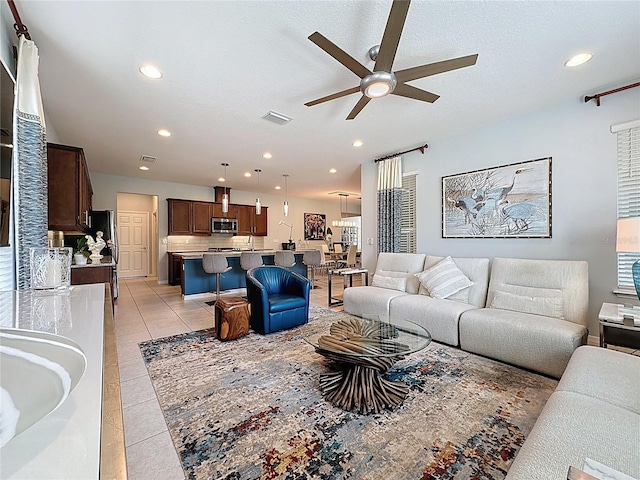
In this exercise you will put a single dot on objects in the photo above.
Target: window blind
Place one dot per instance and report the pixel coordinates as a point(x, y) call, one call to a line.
point(408, 237)
point(628, 192)
point(6, 269)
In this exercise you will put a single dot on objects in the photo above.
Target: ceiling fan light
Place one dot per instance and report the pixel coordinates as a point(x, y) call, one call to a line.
point(378, 84)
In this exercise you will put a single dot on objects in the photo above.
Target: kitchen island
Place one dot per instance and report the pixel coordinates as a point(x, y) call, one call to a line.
point(195, 280)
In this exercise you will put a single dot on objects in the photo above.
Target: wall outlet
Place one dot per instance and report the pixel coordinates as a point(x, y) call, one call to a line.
point(369, 241)
point(187, 241)
point(164, 241)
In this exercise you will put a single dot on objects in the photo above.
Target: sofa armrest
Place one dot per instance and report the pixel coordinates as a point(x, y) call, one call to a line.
point(259, 300)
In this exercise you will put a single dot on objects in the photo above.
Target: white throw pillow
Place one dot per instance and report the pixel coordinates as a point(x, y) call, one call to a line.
point(394, 282)
point(443, 279)
point(545, 306)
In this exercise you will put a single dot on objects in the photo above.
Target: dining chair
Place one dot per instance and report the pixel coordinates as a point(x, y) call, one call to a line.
point(351, 258)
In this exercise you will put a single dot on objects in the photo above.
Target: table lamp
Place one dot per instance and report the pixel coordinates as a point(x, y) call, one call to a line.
point(628, 240)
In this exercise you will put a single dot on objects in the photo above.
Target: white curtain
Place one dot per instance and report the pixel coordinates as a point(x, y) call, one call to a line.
point(29, 163)
point(389, 204)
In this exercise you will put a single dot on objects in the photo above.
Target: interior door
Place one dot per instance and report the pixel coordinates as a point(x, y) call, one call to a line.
point(133, 234)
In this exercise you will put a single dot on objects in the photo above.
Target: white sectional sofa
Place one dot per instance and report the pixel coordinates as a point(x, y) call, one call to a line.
point(530, 313)
point(593, 414)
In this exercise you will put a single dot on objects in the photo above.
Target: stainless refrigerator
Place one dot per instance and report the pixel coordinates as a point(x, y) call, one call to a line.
point(105, 221)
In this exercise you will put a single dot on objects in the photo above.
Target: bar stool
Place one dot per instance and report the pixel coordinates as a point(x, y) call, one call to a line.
point(313, 259)
point(249, 260)
point(215, 263)
point(285, 258)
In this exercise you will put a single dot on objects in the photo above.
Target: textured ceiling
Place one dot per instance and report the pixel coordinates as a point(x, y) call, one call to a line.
point(226, 63)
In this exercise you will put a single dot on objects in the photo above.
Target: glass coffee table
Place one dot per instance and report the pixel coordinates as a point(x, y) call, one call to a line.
point(363, 349)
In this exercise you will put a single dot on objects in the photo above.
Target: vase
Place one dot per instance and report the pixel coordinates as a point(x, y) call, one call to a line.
point(80, 259)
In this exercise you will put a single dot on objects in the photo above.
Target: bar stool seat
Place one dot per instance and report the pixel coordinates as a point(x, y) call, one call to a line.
point(249, 260)
point(215, 263)
point(285, 258)
point(313, 259)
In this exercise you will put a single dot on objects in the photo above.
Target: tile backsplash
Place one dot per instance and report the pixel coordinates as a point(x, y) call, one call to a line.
point(185, 243)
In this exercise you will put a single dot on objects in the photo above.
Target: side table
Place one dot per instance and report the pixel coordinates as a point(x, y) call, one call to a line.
point(231, 318)
point(619, 325)
point(345, 273)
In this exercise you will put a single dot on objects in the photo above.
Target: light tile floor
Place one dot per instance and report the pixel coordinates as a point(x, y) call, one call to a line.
point(146, 310)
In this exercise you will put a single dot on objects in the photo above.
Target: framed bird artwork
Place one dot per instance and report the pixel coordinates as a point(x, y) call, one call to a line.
point(510, 201)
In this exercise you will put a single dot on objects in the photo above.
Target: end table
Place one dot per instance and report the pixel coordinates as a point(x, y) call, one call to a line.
point(619, 325)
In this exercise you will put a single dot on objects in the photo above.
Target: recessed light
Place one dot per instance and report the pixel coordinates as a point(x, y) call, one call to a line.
point(278, 187)
point(150, 71)
point(221, 179)
point(143, 167)
point(578, 60)
point(267, 155)
point(332, 170)
point(163, 132)
point(247, 174)
point(357, 143)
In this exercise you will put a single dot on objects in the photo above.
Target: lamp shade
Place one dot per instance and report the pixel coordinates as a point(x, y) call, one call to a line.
point(628, 236)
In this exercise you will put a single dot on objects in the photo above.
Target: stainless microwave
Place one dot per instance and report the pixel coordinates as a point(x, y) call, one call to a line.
point(224, 225)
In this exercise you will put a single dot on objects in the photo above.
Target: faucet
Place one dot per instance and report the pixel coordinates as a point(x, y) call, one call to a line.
point(250, 242)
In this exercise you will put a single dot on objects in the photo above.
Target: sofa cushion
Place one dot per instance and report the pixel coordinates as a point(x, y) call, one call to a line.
point(538, 305)
point(476, 270)
point(605, 374)
point(544, 278)
point(443, 279)
point(407, 263)
point(543, 344)
point(573, 427)
point(439, 316)
point(392, 280)
point(370, 300)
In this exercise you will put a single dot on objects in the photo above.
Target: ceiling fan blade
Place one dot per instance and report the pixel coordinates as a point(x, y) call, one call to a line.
point(408, 91)
point(333, 96)
point(340, 55)
point(358, 108)
point(391, 37)
point(434, 68)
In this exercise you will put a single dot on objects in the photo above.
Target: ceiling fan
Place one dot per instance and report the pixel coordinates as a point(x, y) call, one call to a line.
point(382, 80)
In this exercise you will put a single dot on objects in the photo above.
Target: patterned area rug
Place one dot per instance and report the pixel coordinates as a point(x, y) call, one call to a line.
point(251, 408)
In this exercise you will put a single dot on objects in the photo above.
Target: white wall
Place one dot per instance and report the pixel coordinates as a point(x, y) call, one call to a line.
point(578, 138)
point(107, 187)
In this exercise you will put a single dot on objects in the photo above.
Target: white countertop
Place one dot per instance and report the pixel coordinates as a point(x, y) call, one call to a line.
point(65, 444)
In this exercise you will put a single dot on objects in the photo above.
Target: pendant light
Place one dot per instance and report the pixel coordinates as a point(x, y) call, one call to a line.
point(286, 203)
point(258, 204)
point(225, 195)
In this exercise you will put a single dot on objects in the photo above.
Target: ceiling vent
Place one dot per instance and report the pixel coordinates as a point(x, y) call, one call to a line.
point(148, 159)
point(276, 117)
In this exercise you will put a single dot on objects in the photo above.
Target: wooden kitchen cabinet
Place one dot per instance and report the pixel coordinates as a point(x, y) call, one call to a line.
point(179, 217)
point(175, 269)
point(217, 211)
point(201, 213)
point(251, 224)
point(69, 188)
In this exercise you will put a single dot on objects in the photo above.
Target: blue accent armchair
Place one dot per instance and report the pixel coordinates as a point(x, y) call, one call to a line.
point(279, 298)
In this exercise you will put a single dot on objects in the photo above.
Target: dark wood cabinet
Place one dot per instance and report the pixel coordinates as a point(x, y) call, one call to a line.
point(179, 217)
point(201, 213)
point(175, 269)
point(190, 217)
point(251, 224)
point(69, 188)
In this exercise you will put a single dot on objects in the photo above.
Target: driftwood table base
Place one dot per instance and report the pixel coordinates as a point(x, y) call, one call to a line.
point(363, 350)
point(361, 388)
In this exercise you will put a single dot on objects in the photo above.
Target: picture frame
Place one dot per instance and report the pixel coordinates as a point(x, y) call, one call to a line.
point(509, 201)
point(315, 225)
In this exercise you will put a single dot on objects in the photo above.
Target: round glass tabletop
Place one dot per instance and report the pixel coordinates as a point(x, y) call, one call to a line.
point(367, 336)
